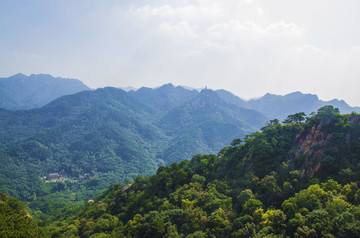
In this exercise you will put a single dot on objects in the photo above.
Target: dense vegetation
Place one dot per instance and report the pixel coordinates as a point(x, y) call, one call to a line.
point(296, 179)
point(109, 135)
point(70, 150)
point(15, 221)
point(96, 138)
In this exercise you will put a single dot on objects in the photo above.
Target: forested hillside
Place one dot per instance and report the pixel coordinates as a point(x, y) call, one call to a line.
point(58, 156)
point(298, 178)
point(15, 221)
point(92, 139)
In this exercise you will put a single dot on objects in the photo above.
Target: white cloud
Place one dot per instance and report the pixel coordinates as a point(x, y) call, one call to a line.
point(286, 29)
point(183, 12)
point(188, 54)
point(209, 45)
point(233, 28)
point(249, 27)
point(256, 37)
point(178, 31)
point(309, 51)
point(248, 46)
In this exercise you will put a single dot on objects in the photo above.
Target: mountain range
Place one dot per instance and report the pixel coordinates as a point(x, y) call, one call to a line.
point(293, 179)
point(278, 106)
point(29, 92)
point(26, 92)
point(112, 135)
point(57, 155)
point(115, 135)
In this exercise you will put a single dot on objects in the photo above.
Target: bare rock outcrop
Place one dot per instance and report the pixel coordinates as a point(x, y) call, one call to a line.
point(310, 144)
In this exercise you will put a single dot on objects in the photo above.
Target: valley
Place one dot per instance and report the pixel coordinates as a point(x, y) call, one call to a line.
point(59, 156)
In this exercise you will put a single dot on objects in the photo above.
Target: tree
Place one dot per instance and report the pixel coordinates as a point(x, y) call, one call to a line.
point(72, 196)
point(251, 205)
point(236, 142)
point(245, 195)
point(295, 118)
point(327, 114)
point(274, 218)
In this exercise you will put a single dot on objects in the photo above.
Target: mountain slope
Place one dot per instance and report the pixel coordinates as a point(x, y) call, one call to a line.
point(205, 123)
point(116, 135)
point(15, 221)
point(277, 106)
point(111, 135)
point(163, 98)
point(289, 180)
point(25, 92)
point(100, 132)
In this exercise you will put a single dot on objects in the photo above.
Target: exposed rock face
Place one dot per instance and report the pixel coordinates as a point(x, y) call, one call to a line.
point(307, 140)
point(126, 187)
point(310, 144)
point(354, 119)
point(28, 215)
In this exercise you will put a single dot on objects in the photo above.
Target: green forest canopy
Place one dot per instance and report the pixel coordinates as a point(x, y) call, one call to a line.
point(297, 179)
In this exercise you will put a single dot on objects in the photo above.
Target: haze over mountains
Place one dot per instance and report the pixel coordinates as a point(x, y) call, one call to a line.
point(71, 149)
point(119, 135)
point(277, 106)
point(115, 135)
point(26, 92)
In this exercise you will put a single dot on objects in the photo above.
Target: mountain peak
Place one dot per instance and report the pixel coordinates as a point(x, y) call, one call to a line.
point(269, 95)
point(206, 91)
point(41, 76)
point(26, 92)
point(295, 93)
point(18, 76)
point(206, 98)
point(299, 94)
point(167, 86)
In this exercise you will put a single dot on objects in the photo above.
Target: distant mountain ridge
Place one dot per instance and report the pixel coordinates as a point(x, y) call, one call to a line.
point(119, 134)
point(26, 92)
point(277, 106)
point(116, 134)
point(270, 105)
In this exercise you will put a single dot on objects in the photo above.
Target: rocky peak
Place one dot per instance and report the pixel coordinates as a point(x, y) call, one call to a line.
point(206, 98)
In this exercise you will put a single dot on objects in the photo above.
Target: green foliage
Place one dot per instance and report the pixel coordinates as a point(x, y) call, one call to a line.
point(295, 118)
point(254, 188)
point(109, 136)
point(15, 221)
point(251, 206)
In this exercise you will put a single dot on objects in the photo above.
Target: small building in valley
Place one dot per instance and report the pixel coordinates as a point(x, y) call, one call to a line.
point(54, 175)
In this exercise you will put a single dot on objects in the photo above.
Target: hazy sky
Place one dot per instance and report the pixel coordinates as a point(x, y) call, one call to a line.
point(249, 47)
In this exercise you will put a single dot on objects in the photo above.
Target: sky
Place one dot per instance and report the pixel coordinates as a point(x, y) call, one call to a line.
point(248, 47)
